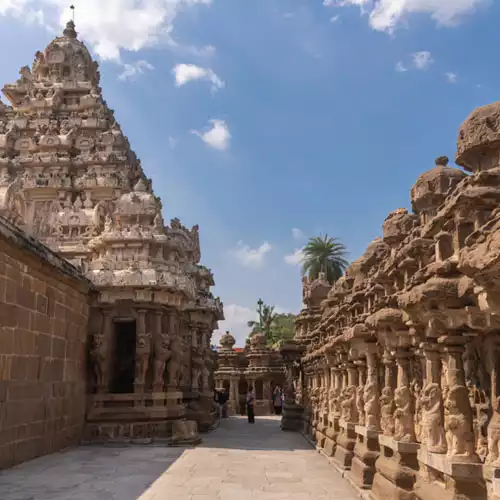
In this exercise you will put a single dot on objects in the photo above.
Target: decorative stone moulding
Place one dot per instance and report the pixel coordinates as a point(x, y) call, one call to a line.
point(398, 381)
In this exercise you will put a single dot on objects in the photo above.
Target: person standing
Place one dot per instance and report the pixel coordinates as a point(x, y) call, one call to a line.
point(250, 403)
point(277, 400)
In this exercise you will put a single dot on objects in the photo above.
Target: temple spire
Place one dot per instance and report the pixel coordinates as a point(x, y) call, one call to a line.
point(70, 31)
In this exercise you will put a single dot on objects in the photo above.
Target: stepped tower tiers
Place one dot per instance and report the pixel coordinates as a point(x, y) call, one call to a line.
point(69, 178)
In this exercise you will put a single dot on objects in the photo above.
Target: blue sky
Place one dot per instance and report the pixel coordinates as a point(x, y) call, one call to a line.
point(320, 114)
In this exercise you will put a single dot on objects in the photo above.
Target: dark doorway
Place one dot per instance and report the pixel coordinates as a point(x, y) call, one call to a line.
point(124, 364)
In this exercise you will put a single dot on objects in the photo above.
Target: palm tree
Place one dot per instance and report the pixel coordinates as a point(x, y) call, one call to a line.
point(324, 255)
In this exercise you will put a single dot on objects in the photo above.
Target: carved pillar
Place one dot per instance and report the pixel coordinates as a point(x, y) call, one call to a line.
point(457, 411)
point(404, 429)
point(142, 351)
point(360, 400)
point(371, 392)
point(337, 377)
point(387, 397)
point(176, 355)
point(101, 352)
point(432, 407)
point(161, 353)
point(349, 410)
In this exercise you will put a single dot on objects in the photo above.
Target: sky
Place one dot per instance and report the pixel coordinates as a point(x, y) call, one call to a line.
point(268, 122)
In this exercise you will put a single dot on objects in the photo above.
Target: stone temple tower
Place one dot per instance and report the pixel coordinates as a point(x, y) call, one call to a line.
point(69, 178)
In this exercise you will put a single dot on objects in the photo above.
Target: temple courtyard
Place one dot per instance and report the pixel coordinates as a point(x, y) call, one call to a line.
point(237, 461)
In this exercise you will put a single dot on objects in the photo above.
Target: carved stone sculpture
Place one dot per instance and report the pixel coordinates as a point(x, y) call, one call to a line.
point(458, 424)
point(349, 411)
point(371, 405)
point(142, 353)
point(360, 404)
point(403, 416)
point(493, 457)
point(387, 411)
point(433, 438)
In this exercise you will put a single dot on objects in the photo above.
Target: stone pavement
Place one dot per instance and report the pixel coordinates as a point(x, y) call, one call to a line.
point(238, 461)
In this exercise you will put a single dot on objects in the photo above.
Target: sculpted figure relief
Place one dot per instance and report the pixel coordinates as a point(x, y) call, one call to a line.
point(162, 353)
point(433, 438)
point(371, 404)
point(387, 411)
point(360, 404)
point(174, 367)
point(493, 457)
point(142, 352)
point(98, 354)
point(403, 416)
point(349, 411)
point(458, 423)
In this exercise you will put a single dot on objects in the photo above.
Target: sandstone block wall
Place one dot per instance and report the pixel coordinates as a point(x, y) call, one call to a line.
point(43, 331)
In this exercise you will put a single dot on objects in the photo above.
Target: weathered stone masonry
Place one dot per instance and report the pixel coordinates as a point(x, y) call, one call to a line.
point(395, 368)
point(43, 319)
point(70, 180)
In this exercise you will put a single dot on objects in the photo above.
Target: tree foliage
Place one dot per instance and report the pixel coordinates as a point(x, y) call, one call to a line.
point(275, 326)
point(324, 254)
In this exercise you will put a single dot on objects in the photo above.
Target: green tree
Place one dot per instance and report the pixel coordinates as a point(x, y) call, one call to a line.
point(266, 319)
point(323, 254)
point(275, 326)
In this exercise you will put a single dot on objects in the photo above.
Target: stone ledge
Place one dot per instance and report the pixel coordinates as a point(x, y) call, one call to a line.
point(367, 433)
point(398, 446)
point(443, 464)
point(21, 240)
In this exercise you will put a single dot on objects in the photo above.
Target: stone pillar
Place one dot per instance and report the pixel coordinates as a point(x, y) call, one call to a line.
point(346, 439)
point(371, 392)
point(142, 351)
point(387, 397)
point(404, 429)
point(161, 353)
point(457, 411)
point(266, 393)
point(433, 439)
point(366, 450)
point(360, 403)
point(102, 354)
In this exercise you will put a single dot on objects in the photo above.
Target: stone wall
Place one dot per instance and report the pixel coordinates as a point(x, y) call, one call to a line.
point(43, 331)
point(399, 381)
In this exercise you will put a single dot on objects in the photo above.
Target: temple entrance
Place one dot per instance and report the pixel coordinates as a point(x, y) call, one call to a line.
point(124, 363)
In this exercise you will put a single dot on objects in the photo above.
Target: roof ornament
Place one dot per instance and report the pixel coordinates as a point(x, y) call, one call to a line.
point(441, 161)
point(70, 31)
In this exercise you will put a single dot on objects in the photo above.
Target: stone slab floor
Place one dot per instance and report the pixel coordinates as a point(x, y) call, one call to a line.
point(238, 461)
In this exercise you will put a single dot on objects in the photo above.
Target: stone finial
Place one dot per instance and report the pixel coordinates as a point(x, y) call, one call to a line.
point(69, 31)
point(441, 161)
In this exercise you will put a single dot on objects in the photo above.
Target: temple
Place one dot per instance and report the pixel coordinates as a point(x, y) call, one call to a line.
point(393, 372)
point(257, 365)
point(70, 181)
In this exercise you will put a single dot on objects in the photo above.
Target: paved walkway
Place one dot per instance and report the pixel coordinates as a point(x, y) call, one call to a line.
point(238, 461)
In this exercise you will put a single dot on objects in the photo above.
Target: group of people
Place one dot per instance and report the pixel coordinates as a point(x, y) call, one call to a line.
point(222, 398)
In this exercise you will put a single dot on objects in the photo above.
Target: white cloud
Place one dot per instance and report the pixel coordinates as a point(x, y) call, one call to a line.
point(335, 18)
point(451, 77)
point(110, 26)
point(422, 60)
point(295, 258)
point(133, 70)
point(237, 318)
point(298, 234)
point(172, 142)
point(185, 73)
point(386, 15)
point(217, 136)
point(251, 257)
point(400, 67)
